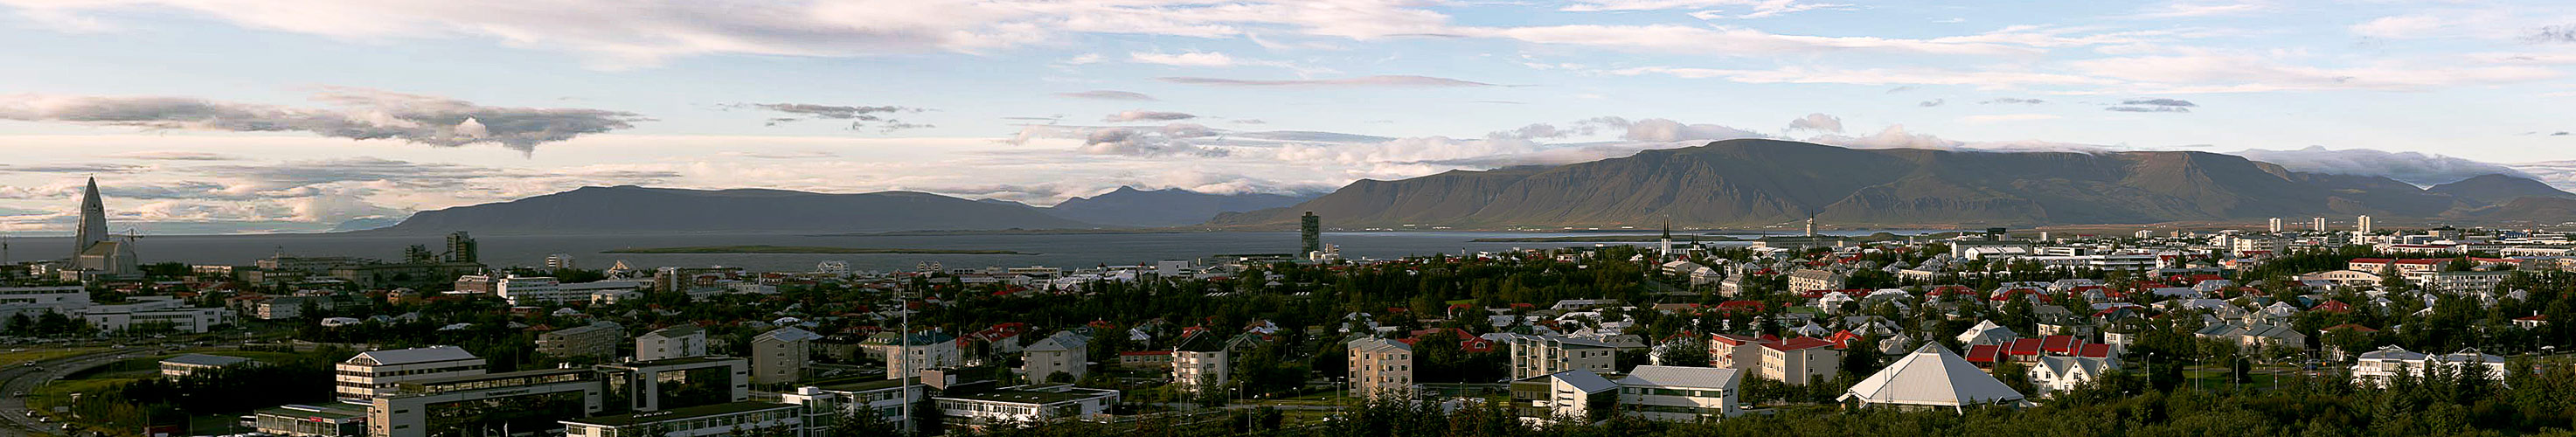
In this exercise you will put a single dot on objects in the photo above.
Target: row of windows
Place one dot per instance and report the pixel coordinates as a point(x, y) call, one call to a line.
point(1674, 392)
point(347, 371)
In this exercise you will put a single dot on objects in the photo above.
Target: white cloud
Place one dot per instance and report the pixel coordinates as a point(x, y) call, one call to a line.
point(1143, 115)
point(1817, 122)
point(354, 113)
point(2183, 9)
point(2005, 118)
point(2399, 26)
point(2200, 71)
point(1997, 79)
point(2410, 167)
point(1185, 59)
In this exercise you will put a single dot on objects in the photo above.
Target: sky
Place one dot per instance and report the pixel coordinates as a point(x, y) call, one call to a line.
point(247, 116)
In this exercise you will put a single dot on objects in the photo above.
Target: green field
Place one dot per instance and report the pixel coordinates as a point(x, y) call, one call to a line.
point(17, 357)
point(807, 250)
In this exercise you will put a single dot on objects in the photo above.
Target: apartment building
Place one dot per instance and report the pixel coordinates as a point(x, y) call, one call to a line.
point(1535, 355)
point(1799, 361)
point(1381, 368)
point(599, 339)
point(1064, 353)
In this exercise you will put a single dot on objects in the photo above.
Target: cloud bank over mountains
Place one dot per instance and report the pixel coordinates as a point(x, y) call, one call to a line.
point(353, 113)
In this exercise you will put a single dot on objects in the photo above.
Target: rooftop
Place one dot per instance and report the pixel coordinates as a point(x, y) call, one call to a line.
point(684, 413)
point(430, 354)
point(206, 360)
point(1040, 396)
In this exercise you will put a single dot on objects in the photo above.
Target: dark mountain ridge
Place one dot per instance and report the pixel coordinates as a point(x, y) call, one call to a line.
point(632, 209)
point(1761, 182)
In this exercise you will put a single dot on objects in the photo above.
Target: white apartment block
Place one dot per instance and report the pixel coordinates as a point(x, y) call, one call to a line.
point(1534, 356)
point(1381, 367)
point(678, 341)
point(1065, 352)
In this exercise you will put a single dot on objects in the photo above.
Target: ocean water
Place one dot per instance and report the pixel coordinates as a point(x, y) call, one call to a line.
point(1053, 250)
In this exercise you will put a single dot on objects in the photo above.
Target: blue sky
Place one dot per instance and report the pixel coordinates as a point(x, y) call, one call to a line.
point(252, 116)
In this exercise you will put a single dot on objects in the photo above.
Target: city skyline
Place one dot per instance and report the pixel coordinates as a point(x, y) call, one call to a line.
point(226, 117)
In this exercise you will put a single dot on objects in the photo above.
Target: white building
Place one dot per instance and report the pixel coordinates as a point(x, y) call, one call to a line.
point(368, 374)
point(1680, 394)
point(2052, 374)
point(155, 313)
point(530, 290)
point(927, 351)
point(677, 341)
point(1025, 405)
point(733, 418)
point(883, 398)
point(1064, 352)
point(1540, 355)
point(779, 356)
point(1578, 395)
point(1931, 378)
point(2376, 368)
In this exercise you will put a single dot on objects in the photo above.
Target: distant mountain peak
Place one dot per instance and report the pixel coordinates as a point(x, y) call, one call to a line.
point(1750, 181)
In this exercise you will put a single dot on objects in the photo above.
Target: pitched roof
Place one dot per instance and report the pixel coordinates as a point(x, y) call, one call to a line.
point(206, 360)
point(1932, 376)
point(1984, 353)
point(1670, 376)
point(1798, 344)
point(1584, 380)
point(788, 335)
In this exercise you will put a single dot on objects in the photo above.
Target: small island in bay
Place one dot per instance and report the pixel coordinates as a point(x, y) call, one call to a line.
point(807, 250)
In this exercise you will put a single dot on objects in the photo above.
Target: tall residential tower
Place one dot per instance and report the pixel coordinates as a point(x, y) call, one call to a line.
point(1310, 230)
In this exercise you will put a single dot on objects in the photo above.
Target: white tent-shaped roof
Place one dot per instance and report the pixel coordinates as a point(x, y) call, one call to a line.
point(1932, 377)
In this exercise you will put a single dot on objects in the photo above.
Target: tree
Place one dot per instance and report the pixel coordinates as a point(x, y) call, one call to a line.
point(861, 420)
point(1685, 353)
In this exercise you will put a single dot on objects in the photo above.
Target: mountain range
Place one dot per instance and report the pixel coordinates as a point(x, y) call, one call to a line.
point(1746, 182)
point(1128, 206)
point(632, 209)
point(1761, 182)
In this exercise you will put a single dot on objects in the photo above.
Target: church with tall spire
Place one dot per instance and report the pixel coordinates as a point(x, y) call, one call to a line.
point(93, 249)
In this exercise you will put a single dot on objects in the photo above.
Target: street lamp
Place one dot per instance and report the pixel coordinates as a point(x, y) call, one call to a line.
point(2239, 380)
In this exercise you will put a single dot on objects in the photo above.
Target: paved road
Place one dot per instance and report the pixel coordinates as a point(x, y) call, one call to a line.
point(23, 379)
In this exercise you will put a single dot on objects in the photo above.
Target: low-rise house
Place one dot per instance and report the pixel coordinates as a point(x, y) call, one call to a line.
point(2378, 368)
point(2054, 374)
point(1986, 332)
point(189, 364)
point(2256, 335)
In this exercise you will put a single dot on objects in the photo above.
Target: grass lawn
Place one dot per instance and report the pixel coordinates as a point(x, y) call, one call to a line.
point(41, 354)
point(59, 393)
